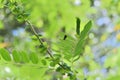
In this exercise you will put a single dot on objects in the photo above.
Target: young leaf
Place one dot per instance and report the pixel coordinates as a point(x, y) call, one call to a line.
point(78, 48)
point(34, 58)
point(24, 57)
point(86, 29)
point(78, 25)
point(16, 56)
point(5, 54)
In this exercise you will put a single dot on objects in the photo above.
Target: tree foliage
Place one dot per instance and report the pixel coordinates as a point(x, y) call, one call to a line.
point(50, 46)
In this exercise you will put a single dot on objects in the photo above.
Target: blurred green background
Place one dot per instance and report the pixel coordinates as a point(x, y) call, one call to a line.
point(101, 59)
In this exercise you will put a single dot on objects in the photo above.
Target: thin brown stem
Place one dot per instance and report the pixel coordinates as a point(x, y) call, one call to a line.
point(33, 30)
point(48, 51)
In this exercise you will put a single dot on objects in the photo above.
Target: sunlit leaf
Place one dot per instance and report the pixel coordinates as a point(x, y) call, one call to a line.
point(24, 57)
point(5, 54)
point(34, 58)
point(85, 30)
point(83, 34)
point(16, 56)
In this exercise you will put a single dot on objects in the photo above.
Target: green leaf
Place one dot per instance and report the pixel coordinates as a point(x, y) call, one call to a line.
point(57, 56)
point(25, 15)
point(67, 46)
point(16, 56)
point(5, 54)
point(34, 58)
point(78, 48)
point(52, 64)
point(78, 25)
point(43, 61)
point(20, 18)
point(24, 57)
point(86, 29)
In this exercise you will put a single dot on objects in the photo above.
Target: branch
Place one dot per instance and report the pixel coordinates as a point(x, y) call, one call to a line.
point(41, 42)
point(33, 30)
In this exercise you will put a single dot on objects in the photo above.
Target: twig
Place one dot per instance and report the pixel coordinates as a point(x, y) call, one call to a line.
point(33, 30)
point(41, 42)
